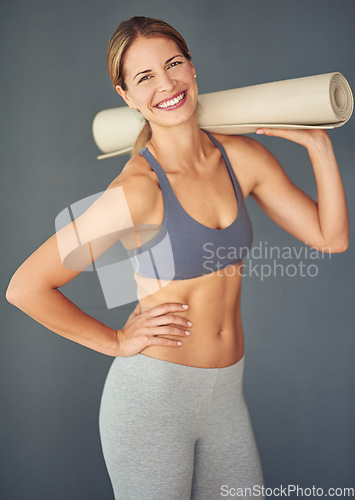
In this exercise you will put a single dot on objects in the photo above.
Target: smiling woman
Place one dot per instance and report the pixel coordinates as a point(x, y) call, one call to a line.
point(173, 419)
point(149, 38)
point(168, 85)
point(151, 68)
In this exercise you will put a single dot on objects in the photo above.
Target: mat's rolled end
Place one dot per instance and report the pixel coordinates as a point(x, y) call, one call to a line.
point(115, 130)
point(341, 97)
point(319, 101)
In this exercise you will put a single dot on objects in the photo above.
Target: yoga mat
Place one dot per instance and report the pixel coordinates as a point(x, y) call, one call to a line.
point(318, 101)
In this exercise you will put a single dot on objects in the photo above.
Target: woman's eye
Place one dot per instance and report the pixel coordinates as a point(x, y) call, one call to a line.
point(142, 79)
point(148, 76)
point(175, 62)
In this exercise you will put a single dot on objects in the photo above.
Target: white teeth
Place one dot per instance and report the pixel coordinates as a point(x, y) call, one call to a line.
point(172, 102)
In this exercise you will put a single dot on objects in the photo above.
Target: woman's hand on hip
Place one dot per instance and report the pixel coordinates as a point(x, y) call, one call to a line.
point(145, 329)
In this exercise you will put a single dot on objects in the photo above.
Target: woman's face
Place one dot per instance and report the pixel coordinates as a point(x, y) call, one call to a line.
point(155, 71)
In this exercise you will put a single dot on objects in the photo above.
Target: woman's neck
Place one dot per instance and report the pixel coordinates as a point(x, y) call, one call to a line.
point(182, 146)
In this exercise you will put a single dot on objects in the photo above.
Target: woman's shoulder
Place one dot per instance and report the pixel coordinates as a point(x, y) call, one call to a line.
point(246, 156)
point(136, 172)
point(243, 149)
point(241, 144)
point(139, 184)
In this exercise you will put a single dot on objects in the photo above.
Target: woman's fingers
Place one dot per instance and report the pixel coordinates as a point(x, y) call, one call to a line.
point(161, 321)
point(170, 330)
point(284, 133)
point(304, 137)
point(168, 319)
point(164, 322)
point(149, 327)
point(164, 341)
point(164, 309)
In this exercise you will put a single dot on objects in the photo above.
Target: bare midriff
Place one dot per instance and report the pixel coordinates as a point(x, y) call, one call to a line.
point(217, 338)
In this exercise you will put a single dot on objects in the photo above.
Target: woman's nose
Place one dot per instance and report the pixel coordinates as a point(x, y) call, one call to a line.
point(165, 82)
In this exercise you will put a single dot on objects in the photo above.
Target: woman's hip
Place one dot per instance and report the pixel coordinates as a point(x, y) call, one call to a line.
point(143, 387)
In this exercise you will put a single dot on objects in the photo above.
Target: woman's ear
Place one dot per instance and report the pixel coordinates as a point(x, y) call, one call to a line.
point(124, 95)
point(193, 67)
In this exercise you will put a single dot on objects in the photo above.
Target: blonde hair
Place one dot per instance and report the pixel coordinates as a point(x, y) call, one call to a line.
point(122, 39)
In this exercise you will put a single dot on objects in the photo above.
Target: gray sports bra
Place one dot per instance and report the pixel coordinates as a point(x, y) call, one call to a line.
point(184, 248)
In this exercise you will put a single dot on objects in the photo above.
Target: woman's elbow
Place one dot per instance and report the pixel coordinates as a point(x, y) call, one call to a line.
point(338, 246)
point(341, 247)
point(16, 289)
point(12, 294)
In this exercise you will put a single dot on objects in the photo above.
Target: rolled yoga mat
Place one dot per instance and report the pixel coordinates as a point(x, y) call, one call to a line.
point(319, 101)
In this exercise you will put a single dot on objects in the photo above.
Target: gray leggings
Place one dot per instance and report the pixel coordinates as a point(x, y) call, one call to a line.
point(175, 432)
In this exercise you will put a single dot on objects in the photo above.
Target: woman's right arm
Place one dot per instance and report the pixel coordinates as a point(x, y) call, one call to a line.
point(33, 289)
point(34, 286)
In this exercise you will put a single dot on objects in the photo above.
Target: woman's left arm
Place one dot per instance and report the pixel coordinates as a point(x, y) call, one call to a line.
point(324, 224)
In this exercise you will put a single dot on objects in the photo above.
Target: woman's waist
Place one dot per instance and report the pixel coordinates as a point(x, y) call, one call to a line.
point(208, 311)
point(216, 333)
point(204, 348)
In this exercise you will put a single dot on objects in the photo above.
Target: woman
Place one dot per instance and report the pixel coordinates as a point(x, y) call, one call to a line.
point(173, 420)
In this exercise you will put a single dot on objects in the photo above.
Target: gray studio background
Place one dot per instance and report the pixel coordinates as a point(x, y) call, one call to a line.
point(299, 332)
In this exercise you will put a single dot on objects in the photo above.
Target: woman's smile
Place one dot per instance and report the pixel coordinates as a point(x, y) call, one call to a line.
point(174, 102)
